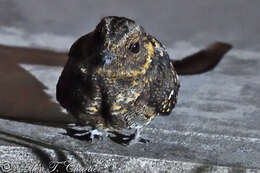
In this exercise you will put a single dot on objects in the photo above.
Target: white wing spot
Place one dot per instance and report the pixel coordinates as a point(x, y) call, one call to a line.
point(172, 92)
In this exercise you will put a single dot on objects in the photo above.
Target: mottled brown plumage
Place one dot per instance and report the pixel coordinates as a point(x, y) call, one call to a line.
point(119, 77)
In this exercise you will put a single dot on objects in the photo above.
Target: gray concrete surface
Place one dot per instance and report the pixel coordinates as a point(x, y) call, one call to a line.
point(215, 126)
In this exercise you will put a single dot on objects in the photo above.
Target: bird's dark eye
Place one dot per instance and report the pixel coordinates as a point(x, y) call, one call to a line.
point(135, 47)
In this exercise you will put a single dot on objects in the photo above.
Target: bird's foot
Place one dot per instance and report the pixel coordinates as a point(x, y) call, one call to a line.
point(127, 139)
point(87, 135)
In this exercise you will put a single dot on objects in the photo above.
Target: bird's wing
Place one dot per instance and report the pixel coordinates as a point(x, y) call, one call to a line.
point(202, 61)
point(164, 88)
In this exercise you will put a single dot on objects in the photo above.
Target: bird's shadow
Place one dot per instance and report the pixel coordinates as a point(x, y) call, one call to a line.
point(23, 99)
point(23, 96)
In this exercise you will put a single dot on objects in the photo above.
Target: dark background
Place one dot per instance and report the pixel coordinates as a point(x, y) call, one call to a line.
point(198, 21)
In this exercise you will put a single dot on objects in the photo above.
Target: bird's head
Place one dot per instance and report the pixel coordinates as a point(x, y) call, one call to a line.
point(125, 48)
point(118, 46)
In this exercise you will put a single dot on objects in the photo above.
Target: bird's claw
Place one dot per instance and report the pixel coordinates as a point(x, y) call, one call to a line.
point(127, 139)
point(87, 135)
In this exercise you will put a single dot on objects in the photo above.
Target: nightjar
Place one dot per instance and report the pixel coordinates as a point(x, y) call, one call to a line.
point(120, 77)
